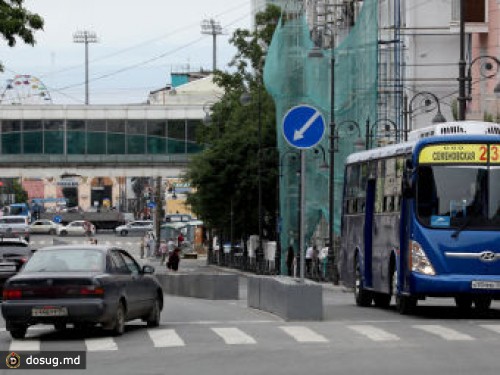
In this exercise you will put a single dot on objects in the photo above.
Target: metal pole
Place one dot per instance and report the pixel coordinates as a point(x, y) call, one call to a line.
point(331, 192)
point(259, 172)
point(158, 210)
point(461, 66)
point(302, 213)
point(367, 134)
point(86, 69)
point(214, 52)
point(405, 105)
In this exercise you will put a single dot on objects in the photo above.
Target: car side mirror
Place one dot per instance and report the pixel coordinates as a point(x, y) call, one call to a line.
point(148, 269)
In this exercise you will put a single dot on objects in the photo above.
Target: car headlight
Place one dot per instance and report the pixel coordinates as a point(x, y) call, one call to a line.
point(419, 261)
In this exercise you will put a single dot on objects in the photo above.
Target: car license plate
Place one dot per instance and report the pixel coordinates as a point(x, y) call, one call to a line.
point(7, 267)
point(49, 311)
point(486, 285)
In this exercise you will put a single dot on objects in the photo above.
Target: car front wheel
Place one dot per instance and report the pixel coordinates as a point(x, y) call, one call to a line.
point(18, 331)
point(123, 233)
point(63, 233)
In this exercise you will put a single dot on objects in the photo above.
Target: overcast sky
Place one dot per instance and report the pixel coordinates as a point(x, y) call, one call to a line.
point(140, 43)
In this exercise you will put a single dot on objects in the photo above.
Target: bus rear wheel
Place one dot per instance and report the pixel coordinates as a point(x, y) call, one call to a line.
point(482, 304)
point(362, 296)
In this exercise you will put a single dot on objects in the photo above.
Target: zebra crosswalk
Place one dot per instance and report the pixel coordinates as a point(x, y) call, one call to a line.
point(320, 334)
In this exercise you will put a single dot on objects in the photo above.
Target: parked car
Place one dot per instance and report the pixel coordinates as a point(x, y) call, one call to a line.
point(84, 285)
point(138, 227)
point(44, 226)
point(75, 228)
point(14, 252)
point(14, 226)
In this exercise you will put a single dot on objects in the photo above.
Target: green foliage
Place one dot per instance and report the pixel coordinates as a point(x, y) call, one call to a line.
point(488, 117)
point(17, 22)
point(21, 196)
point(225, 174)
point(454, 109)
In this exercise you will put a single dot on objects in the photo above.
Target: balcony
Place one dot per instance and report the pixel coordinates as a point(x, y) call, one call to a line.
point(476, 16)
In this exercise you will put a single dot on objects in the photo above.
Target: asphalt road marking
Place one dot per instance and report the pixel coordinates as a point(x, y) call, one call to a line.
point(445, 333)
point(234, 336)
point(491, 327)
point(26, 344)
point(374, 333)
point(303, 334)
point(100, 344)
point(165, 338)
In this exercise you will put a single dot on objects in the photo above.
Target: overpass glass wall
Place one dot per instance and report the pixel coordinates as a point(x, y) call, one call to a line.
point(99, 137)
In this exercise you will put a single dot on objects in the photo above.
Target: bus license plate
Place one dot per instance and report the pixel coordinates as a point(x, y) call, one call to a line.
point(486, 285)
point(49, 311)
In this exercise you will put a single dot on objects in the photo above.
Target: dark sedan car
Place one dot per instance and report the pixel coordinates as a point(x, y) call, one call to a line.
point(14, 252)
point(84, 285)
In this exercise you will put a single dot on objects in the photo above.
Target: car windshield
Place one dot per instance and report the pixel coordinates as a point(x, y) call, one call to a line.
point(458, 196)
point(64, 260)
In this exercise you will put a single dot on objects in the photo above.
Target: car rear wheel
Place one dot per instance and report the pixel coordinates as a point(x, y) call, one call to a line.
point(153, 319)
point(18, 331)
point(52, 231)
point(63, 233)
point(119, 320)
point(60, 326)
point(123, 233)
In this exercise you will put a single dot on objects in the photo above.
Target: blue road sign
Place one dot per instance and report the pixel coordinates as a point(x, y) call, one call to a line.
point(303, 126)
point(151, 205)
point(57, 219)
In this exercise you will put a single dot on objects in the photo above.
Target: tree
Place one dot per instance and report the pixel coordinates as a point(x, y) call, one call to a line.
point(17, 22)
point(225, 174)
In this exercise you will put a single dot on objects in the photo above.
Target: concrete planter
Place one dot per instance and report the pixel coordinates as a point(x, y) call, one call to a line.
point(286, 297)
point(209, 286)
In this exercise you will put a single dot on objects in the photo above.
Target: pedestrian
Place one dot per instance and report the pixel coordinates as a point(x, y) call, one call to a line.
point(170, 246)
point(142, 247)
point(290, 257)
point(163, 250)
point(87, 227)
point(309, 256)
point(180, 239)
point(150, 244)
point(174, 259)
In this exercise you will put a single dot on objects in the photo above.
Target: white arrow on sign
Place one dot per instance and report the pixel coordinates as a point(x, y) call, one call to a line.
point(299, 134)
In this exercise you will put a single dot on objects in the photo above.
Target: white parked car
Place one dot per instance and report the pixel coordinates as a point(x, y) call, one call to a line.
point(44, 226)
point(14, 226)
point(138, 227)
point(75, 228)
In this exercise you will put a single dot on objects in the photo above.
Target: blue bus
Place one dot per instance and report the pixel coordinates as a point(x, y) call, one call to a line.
point(20, 209)
point(422, 219)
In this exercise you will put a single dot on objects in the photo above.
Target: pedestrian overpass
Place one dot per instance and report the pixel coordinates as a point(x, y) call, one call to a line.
point(86, 146)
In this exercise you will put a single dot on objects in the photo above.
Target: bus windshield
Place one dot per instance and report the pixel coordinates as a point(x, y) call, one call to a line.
point(455, 196)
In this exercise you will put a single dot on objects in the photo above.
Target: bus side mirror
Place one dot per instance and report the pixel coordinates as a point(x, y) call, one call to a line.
point(408, 188)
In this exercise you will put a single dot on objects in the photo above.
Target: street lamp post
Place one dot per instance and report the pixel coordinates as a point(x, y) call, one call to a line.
point(427, 99)
point(371, 130)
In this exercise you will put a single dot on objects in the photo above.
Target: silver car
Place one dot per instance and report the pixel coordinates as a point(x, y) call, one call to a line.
point(44, 226)
point(138, 227)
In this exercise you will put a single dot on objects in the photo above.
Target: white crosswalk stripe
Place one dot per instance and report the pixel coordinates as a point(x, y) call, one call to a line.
point(492, 327)
point(303, 334)
point(100, 344)
point(234, 336)
point(26, 344)
point(374, 333)
point(444, 332)
point(165, 338)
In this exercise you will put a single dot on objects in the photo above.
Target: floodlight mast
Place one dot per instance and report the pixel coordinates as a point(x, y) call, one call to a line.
point(214, 28)
point(86, 37)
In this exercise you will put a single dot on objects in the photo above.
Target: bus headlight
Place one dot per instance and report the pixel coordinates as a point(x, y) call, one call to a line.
point(419, 261)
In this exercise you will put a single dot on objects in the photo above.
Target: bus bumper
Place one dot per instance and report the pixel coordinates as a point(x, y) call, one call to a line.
point(453, 285)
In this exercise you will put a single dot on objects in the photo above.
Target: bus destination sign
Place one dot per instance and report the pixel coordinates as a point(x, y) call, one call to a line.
point(460, 154)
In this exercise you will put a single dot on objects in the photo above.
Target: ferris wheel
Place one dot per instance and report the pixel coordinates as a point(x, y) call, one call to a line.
point(25, 89)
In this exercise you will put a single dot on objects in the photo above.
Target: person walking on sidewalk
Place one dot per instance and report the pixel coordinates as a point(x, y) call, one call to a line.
point(163, 251)
point(174, 259)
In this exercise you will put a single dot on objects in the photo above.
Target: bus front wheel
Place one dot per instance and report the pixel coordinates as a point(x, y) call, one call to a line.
point(405, 304)
point(362, 296)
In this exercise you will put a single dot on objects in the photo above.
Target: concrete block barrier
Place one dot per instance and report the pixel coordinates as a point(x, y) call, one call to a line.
point(286, 297)
point(217, 286)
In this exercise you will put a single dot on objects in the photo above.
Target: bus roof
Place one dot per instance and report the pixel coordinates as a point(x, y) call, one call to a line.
point(447, 129)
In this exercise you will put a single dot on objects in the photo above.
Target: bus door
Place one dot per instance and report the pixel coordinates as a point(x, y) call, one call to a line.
point(368, 232)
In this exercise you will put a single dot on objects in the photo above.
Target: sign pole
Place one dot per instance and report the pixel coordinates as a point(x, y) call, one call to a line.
point(302, 214)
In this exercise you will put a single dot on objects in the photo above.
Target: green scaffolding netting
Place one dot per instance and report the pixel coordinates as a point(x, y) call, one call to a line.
point(293, 77)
